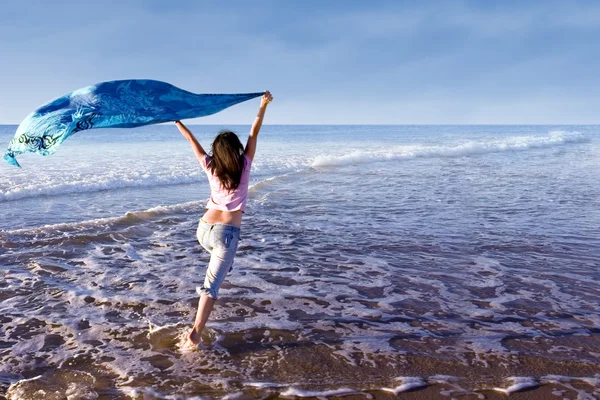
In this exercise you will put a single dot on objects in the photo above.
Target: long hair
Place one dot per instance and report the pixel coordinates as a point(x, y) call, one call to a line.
point(227, 159)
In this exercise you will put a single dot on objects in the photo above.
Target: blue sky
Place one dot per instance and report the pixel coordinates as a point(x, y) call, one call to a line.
point(348, 62)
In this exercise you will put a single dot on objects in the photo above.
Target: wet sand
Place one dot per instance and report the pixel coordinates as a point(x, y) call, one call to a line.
point(292, 367)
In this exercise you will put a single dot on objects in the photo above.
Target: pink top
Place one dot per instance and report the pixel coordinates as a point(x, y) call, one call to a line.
point(220, 198)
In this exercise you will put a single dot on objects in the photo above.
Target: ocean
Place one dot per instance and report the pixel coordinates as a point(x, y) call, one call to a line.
point(442, 260)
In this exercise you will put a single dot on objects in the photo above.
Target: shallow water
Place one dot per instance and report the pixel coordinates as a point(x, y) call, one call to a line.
point(371, 257)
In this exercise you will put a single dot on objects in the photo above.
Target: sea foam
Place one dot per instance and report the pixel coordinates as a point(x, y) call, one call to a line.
point(515, 143)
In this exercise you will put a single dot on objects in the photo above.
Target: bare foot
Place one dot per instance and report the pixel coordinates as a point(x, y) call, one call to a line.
point(194, 337)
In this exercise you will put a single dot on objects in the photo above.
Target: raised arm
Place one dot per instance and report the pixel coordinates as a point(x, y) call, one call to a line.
point(198, 150)
point(251, 144)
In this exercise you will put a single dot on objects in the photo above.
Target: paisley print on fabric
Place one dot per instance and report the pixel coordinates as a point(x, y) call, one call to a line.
point(113, 104)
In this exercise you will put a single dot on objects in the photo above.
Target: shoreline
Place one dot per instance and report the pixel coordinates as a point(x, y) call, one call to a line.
point(316, 372)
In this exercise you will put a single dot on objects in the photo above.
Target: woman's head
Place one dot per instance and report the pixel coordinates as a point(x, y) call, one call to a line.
point(227, 159)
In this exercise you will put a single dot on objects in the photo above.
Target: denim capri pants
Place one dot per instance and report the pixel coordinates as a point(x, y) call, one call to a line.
point(221, 241)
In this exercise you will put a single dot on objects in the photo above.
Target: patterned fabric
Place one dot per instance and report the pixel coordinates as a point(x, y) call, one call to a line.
point(114, 104)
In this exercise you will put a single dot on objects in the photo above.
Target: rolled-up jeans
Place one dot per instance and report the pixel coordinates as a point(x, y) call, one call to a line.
point(221, 241)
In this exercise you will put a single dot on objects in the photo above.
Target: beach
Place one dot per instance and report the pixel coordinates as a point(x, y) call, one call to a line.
point(375, 261)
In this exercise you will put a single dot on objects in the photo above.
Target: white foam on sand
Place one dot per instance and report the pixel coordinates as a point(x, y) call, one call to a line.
point(69, 384)
point(294, 392)
point(407, 383)
point(263, 385)
point(518, 383)
point(150, 393)
point(567, 383)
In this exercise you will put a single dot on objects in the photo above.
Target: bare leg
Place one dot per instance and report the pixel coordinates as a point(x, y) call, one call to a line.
point(205, 306)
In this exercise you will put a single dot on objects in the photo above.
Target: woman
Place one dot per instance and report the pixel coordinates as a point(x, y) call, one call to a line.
point(228, 171)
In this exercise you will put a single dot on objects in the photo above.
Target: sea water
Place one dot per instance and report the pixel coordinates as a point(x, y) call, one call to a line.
point(372, 258)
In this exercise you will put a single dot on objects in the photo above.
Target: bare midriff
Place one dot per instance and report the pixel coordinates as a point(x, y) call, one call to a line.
point(213, 216)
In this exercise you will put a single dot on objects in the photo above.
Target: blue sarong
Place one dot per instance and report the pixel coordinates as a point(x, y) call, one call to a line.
point(114, 104)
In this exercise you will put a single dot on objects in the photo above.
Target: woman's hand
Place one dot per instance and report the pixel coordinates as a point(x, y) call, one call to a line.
point(266, 99)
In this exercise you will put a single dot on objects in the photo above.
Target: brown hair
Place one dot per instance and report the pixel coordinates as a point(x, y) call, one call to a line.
point(227, 161)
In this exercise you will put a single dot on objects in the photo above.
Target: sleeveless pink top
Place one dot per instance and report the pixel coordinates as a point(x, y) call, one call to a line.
point(220, 198)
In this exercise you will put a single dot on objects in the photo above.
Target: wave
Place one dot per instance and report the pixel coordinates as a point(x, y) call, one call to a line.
point(41, 189)
point(129, 218)
point(280, 166)
point(273, 179)
point(73, 182)
point(134, 217)
point(515, 143)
